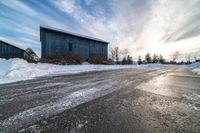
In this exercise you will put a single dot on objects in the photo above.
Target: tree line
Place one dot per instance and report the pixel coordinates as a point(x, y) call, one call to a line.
point(151, 59)
point(174, 59)
point(117, 54)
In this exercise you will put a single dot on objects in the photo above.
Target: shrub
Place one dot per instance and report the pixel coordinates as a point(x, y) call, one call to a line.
point(71, 58)
point(98, 59)
point(110, 62)
point(68, 58)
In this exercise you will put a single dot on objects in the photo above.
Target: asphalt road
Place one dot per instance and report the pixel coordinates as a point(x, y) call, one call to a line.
point(118, 101)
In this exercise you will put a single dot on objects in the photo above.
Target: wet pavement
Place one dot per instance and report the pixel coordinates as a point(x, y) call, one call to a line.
point(118, 101)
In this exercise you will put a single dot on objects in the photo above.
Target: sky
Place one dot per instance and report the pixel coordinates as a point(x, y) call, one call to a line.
point(141, 26)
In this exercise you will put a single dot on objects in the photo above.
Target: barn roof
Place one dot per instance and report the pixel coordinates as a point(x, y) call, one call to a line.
point(16, 47)
point(12, 45)
point(73, 34)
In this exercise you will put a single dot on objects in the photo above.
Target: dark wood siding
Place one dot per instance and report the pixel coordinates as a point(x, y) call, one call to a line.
point(57, 43)
point(8, 51)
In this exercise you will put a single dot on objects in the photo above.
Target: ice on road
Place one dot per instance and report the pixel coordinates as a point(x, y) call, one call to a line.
point(172, 92)
point(44, 111)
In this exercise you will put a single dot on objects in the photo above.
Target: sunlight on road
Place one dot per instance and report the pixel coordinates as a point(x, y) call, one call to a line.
point(176, 86)
point(159, 85)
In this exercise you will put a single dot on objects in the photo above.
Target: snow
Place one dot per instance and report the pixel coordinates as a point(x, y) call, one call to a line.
point(37, 113)
point(195, 67)
point(13, 70)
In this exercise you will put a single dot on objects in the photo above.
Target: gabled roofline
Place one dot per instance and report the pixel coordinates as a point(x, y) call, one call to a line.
point(71, 33)
point(12, 45)
point(15, 47)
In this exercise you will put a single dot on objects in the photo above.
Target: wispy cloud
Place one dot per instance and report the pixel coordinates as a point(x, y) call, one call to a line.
point(23, 22)
point(161, 26)
point(88, 2)
point(87, 22)
point(18, 6)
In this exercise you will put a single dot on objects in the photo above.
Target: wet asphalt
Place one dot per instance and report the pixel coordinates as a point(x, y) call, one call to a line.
point(126, 101)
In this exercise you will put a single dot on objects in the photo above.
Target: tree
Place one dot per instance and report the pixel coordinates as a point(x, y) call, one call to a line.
point(116, 52)
point(124, 61)
point(161, 59)
point(129, 60)
point(175, 56)
point(112, 51)
point(139, 60)
point(196, 58)
point(125, 53)
point(148, 58)
point(155, 59)
point(188, 58)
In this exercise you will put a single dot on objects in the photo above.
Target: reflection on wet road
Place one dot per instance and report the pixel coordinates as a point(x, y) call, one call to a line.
point(174, 84)
point(184, 90)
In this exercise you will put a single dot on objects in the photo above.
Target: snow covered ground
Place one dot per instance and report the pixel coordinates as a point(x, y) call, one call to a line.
point(195, 67)
point(13, 70)
point(48, 98)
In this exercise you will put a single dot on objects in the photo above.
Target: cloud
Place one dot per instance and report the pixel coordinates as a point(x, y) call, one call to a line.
point(160, 26)
point(87, 22)
point(140, 25)
point(22, 23)
point(88, 2)
point(18, 6)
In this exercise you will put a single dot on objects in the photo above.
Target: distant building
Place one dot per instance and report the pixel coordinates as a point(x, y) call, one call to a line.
point(8, 51)
point(57, 42)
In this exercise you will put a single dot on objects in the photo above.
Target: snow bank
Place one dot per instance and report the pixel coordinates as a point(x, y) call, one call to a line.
point(18, 69)
point(195, 67)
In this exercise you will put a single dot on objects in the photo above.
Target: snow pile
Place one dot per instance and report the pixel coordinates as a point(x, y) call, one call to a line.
point(18, 69)
point(195, 67)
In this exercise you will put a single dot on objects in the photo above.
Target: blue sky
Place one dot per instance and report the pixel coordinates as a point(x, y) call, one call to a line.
point(141, 26)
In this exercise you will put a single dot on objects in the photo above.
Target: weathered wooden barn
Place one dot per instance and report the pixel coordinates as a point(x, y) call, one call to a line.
point(56, 42)
point(9, 51)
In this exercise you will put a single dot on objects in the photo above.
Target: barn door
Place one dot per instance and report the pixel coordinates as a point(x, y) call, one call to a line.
point(70, 47)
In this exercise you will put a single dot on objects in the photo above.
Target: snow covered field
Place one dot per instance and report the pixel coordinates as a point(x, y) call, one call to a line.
point(13, 70)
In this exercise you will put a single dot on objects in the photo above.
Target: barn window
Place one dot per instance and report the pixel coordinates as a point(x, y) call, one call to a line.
point(70, 47)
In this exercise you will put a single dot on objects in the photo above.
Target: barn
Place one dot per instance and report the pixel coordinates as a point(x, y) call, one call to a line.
point(57, 42)
point(8, 51)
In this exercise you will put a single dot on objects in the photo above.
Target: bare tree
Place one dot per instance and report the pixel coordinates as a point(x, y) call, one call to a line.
point(115, 53)
point(125, 53)
point(195, 57)
point(175, 56)
point(112, 52)
point(188, 58)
